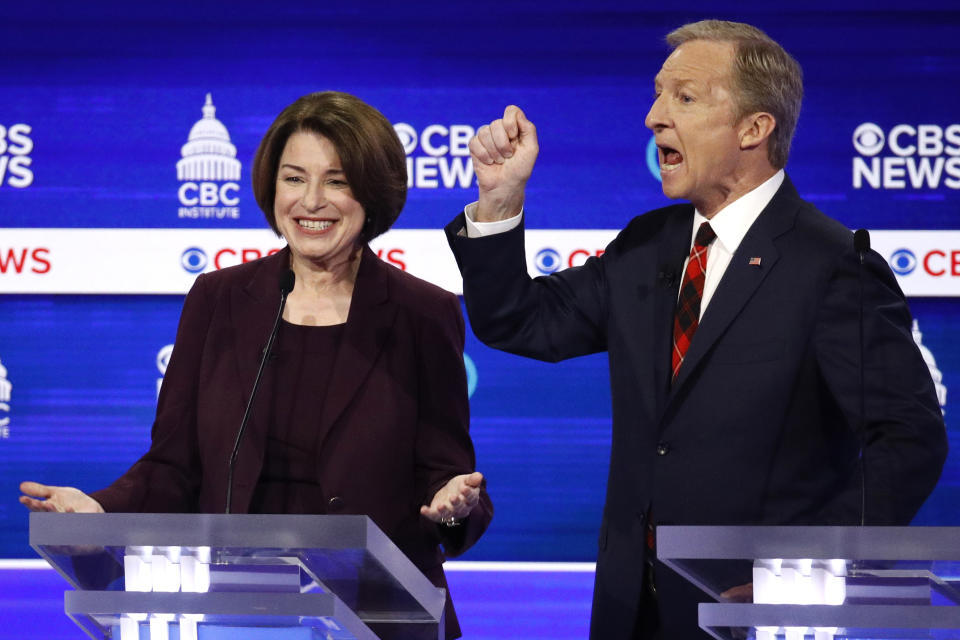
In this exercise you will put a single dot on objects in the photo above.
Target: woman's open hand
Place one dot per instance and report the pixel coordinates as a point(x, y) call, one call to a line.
point(41, 497)
point(456, 499)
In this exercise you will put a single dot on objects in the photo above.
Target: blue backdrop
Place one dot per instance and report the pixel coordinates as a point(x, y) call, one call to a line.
point(106, 93)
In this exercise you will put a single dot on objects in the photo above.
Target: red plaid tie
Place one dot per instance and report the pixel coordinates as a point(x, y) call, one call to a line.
point(691, 292)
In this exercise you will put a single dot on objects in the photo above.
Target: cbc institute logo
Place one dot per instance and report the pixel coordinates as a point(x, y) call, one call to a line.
point(209, 172)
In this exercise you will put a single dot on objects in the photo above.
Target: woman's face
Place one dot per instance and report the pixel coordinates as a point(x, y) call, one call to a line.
point(314, 206)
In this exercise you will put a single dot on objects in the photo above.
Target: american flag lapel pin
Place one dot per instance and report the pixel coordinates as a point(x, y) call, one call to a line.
point(754, 262)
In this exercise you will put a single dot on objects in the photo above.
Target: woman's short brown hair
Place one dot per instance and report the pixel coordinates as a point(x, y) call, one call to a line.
point(372, 157)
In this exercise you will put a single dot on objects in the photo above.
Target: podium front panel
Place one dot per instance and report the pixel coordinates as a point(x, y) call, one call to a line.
point(200, 616)
point(822, 582)
point(276, 557)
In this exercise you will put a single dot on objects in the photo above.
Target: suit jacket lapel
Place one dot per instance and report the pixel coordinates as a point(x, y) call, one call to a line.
point(741, 279)
point(671, 254)
point(643, 291)
point(253, 308)
point(364, 336)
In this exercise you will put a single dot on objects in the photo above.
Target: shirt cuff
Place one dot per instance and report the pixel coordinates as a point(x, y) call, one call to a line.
point(480, 229)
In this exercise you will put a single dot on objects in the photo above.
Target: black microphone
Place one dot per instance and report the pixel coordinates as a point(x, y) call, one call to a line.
point(287, 280)
point(861, 244)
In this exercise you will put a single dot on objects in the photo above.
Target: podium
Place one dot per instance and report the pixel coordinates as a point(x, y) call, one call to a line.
point(238, 576)
point(822, 582)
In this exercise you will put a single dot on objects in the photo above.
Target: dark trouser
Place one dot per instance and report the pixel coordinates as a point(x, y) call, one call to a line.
point(647, 626)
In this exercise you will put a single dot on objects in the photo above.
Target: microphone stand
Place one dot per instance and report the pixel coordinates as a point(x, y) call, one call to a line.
point(287, 280)
point(861, 244)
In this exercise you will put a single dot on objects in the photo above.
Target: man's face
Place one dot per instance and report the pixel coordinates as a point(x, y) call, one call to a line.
point(692, 118)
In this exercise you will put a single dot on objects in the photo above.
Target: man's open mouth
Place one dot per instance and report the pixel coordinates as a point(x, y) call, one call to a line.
point(670, 158)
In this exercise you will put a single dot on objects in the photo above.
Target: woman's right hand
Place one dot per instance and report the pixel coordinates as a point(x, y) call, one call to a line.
point(42, 497)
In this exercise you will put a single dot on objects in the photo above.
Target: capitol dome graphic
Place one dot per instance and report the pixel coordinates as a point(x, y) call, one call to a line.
point(928, 358)
point(208, 154)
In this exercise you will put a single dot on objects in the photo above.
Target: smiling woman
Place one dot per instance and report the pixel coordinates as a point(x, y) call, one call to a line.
point(315, 211)
point(363, 406)
point(371, 157)
point(314, 201)
point(330, 175)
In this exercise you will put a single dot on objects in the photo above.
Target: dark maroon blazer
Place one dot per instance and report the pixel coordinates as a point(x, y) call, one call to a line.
point(392, 431)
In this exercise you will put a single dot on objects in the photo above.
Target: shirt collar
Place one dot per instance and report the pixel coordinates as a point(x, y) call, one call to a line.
point(733, 221)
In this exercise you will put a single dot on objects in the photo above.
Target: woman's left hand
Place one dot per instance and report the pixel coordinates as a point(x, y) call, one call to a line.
point(456, 499)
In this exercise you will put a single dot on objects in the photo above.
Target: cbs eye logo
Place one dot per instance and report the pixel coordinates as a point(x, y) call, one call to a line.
point(868, 139)
point(407, 135)
point(547, 261)
point(903, 262)
point(653, 159)
point(163, 358)
point(472, 377)
point(193, 260)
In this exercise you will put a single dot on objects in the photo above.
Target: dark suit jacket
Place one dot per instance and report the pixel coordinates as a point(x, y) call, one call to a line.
point(761, 426)
point(393, 429)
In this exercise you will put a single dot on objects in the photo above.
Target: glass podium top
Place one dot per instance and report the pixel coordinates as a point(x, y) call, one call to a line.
point(821, 582)
point(134, 563)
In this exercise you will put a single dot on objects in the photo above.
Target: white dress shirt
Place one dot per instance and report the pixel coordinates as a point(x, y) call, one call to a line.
point(730, 224)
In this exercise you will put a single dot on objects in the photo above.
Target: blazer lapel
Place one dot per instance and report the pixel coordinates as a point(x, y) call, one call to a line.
point(643, 290)
point(671, 255)
point(741, 279)
point(253, 308)
point(364, 336)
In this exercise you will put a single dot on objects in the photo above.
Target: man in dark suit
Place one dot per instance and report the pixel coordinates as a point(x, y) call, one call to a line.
point(744, 383)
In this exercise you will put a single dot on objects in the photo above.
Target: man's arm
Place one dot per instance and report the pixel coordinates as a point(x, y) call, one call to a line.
point(550, 318)
point(902, 429)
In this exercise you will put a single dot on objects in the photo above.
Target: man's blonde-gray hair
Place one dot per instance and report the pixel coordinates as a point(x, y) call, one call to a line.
point(765, 77)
